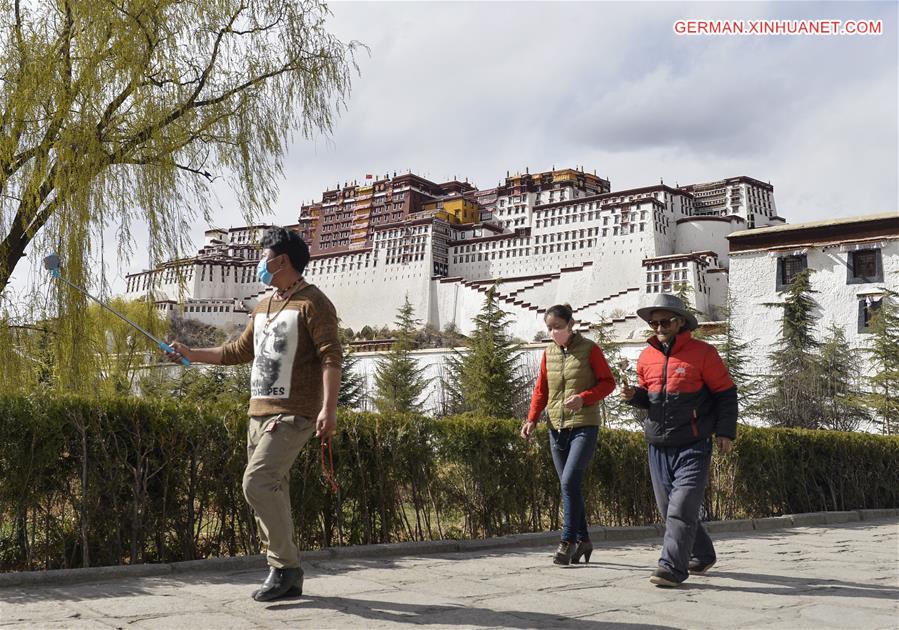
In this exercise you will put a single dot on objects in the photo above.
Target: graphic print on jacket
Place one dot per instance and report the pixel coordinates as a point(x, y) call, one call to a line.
point(275, 349)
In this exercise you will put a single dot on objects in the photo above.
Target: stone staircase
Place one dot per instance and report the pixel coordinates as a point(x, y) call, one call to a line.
point(515, 300)
point(605, 299)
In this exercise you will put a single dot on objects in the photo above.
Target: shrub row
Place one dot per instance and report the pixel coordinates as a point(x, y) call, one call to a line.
point(99, 482)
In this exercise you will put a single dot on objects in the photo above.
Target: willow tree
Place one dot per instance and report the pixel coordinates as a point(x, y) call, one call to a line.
point(118, 112)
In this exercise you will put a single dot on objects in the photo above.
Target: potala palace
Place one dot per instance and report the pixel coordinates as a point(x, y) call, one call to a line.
point(557, 236)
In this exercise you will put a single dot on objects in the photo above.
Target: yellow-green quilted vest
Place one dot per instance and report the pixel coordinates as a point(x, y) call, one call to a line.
point(569, 372)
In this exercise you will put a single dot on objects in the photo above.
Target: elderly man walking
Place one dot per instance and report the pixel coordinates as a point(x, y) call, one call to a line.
point(690, 397)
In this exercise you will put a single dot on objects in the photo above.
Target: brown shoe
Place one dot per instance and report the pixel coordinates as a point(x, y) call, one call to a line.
point(564, 553)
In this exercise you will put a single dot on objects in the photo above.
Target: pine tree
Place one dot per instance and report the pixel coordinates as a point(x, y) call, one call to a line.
point(485, 378)
point(613, 411)
point(399, 383)
point(840, 379)
point(735, 354)
point(793, 398)
point(683, 291)
point(352, 383)
point(883, 351)
point(210, 384)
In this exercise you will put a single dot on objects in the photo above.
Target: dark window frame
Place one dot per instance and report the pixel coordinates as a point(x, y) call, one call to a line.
point(853, 278)
point(866, 311)
point(782, 282)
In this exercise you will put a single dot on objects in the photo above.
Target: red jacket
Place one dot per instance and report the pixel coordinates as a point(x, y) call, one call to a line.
point(688, 392)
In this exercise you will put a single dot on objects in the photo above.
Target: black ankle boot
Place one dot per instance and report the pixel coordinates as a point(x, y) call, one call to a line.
point(585, 549)
point(563, 553)
point(280, 583)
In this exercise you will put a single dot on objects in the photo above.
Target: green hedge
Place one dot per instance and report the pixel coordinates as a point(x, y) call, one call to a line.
point(99, 482)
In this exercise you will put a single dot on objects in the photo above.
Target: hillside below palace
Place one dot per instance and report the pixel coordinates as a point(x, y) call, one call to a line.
point(561, 236)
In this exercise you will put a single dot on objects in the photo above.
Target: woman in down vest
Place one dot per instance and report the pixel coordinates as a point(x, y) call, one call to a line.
point(574, 377)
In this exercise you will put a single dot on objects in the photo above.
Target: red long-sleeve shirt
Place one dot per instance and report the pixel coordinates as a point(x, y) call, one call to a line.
point(605, 384)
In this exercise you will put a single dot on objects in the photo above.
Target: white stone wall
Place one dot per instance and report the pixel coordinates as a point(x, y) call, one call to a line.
point(372, 295)
point(459, 304)
point(753, 283)
point(698, 234)
point(717, 283)
point(433, 360)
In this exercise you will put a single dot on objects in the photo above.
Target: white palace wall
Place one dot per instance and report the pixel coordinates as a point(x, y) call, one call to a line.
point(755, 275)
point(557, 246)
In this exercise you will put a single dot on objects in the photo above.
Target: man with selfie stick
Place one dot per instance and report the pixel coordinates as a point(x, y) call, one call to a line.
point(292, 340)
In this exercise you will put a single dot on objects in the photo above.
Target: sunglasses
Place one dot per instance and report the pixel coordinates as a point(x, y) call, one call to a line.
point(655, 323)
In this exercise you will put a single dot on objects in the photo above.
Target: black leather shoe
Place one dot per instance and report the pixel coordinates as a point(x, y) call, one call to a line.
point(663, 577)
point(585, 549)
point(563, 553)
point(698, 567)
point(280, 583)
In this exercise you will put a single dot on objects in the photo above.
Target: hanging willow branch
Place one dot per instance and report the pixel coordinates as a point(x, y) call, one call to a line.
point(117, 112)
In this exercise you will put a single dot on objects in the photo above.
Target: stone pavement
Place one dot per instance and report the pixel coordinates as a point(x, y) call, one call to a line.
point(829, 576)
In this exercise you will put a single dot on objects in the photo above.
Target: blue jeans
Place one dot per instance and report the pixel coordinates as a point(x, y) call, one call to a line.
point(679, 476)
point(572, 450)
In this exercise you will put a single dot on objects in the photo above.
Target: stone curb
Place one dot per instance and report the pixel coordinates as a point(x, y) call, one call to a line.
point(237, 564)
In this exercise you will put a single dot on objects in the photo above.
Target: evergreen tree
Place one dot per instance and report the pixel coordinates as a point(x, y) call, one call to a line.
point(683, 291)
point(196, 334)
point(352, 383)
point(840, 383)
point(485, 378)
point(398, 379)
point(201, 385)
point(883, 351)
point(451, 337)
point(793, 397)
point(735, 354)
point(613, 410)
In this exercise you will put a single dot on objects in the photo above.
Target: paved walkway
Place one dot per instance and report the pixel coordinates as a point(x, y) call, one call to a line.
point(829, 576)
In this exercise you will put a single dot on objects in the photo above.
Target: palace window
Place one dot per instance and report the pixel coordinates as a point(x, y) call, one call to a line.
point(867, 308)
point(787, 268)
point(864, 265)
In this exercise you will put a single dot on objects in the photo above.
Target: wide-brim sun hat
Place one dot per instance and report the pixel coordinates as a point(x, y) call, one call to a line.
point(667, 302)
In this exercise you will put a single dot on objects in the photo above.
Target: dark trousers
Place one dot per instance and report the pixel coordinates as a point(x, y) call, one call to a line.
point(679, 476)
point(572, 450)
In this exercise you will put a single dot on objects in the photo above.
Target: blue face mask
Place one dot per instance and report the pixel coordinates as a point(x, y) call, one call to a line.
point(263, 274)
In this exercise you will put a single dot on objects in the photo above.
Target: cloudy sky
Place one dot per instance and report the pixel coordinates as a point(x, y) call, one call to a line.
point(473, 90)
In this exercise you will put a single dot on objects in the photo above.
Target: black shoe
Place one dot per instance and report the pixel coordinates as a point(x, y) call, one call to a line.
point(663, 577)
point(697, 567)
point(564, 553)
point(584, 548)
point(280, 583)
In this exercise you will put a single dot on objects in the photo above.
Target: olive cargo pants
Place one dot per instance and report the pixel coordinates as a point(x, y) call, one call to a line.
point(273, 443)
